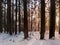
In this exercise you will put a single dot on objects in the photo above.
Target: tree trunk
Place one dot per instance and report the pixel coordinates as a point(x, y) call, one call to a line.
point(16, 19)
point(9, 17)
point(1, 16)
point(19, 18)
point(42, 19)
point(25, 20)
point(52, 20)
point(12, 18)
point(5, 16)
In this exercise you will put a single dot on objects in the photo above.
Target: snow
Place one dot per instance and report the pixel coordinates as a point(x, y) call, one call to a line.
point(6, 39)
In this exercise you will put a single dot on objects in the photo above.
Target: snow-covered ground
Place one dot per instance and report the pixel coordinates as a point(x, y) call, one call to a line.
point(6, 39)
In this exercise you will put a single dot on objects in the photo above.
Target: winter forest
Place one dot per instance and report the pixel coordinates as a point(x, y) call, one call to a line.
point(29, 22)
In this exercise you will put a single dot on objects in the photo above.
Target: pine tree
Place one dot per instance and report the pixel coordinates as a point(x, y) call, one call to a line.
point(9, 17)
point(42, 19)
point(52, 19)
point(25, 20)
point(1, 16)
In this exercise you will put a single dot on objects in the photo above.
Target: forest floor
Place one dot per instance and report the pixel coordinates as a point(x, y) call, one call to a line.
point(34, 39)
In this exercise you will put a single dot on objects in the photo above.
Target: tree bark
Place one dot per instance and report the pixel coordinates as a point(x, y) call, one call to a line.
point(1, 16)
point(25, 20)
point(5, 17)
point(5, 23)
point(52, 19)
point(9, 17)
point(42, 19)
point(12, 18)
point(16, 19)
point(19, 18)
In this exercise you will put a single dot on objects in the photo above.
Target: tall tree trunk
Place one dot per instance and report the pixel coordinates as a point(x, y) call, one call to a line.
point(5, 19)
point(42, 19)
point(52, 20)
point(25, 20)
point(9, 17)
point(19, 18)
point(16, 19)
point(1, 16)
point(12, 18)
point(59, 16)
